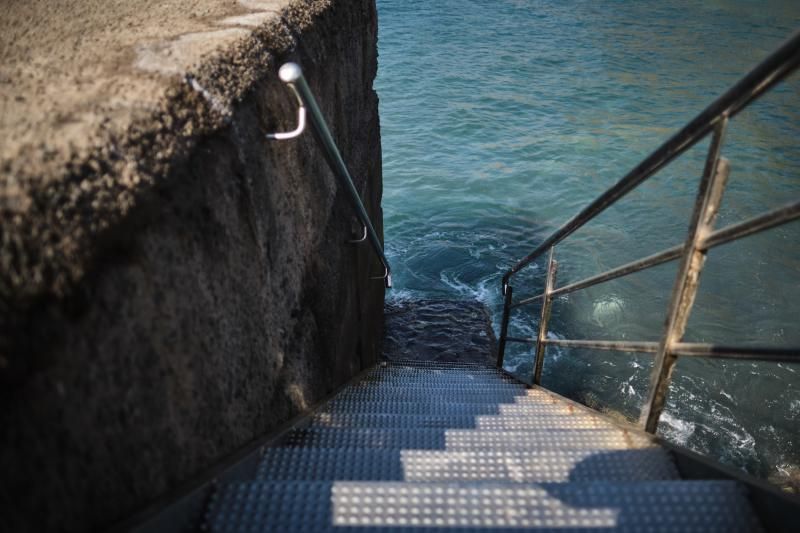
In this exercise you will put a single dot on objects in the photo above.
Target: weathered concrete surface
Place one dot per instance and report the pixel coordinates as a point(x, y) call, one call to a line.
point(173, 285)
point(439, 330)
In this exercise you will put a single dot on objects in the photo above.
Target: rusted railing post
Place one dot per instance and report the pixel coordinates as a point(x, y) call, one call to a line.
point(552, 266)
point(709, 196)
point(501, 344)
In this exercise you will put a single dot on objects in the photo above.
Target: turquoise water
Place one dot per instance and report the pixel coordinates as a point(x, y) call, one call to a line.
point(501, 119)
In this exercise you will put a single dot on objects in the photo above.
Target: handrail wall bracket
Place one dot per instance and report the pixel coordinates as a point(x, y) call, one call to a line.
point(292, 75)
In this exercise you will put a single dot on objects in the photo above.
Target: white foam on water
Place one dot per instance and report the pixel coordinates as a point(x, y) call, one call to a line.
point(400, 295)
point(482, 292)
point(677, 430)
point(554, 353)
point(794, 408)
point(627, 388)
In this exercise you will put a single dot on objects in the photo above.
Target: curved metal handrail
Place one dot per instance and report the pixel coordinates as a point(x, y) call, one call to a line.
point(292, 75)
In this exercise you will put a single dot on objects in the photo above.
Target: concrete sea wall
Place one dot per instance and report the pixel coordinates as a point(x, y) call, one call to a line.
point(174, 285)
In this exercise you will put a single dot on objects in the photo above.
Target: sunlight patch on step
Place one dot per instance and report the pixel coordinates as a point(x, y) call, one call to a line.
point(396, 504)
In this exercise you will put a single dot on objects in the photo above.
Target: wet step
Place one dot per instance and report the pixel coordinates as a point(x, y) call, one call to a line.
point(465, 439)
point(320, 464)
point(362, 506)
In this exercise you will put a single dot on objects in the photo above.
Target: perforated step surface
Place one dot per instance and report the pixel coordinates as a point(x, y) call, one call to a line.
point(460, 421)
point(464, 439)
point(675, 506)
point(319, 464)
point(453, 394)
point(432, 447)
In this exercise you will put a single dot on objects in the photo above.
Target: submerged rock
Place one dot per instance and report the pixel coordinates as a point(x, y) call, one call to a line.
point(439, 330)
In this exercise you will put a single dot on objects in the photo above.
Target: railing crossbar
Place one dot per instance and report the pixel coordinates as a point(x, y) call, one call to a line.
point(750, 353)
point(650, 261)
point(527, 301)
point(684, 349)
point(776, 217)
point(616, 346)
point(757, 224)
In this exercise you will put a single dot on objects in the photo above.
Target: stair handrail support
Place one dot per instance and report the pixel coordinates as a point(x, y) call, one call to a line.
point(552, 267)
point(707, 203)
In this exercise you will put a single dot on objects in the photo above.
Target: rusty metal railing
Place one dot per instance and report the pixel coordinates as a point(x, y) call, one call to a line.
point(700, 238)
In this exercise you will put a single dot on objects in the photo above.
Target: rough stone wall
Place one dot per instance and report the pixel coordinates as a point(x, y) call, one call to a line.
point(224, 301)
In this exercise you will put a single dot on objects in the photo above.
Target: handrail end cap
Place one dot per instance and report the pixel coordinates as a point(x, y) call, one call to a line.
point(290, 72)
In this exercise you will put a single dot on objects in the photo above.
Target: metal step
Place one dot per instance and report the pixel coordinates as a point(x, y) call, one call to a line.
point(493, 422)
point(433, 407)
point(458, 394)
point(363, 506)
point(415, 363)
point(421, 447)
point(320, 464)
point(397, 421)
point(464, 439)
point(434, 375)
point(452, 367)
point(452, 394)
point(448, 384)
point(427, 381)
point(442, 375)
point(441, 370)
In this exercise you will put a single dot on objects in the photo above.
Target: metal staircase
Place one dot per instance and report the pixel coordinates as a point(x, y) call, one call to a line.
point(426, 446)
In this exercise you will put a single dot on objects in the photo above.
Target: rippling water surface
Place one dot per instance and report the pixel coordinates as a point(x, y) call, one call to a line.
point(501, 119)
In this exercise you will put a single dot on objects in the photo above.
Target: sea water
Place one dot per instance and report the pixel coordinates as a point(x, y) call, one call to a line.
point(502, 119)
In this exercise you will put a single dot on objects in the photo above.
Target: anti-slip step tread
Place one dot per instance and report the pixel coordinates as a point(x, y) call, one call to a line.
point(318, 464)
point(441, 369)
point(397, 421)
point(415, 384)
point(355, 405)
point(457, 395)
point(362, 506)
point(421, 447)
point(464, 373)
point(446, 364)
point(493, 422)
point(464, 439)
